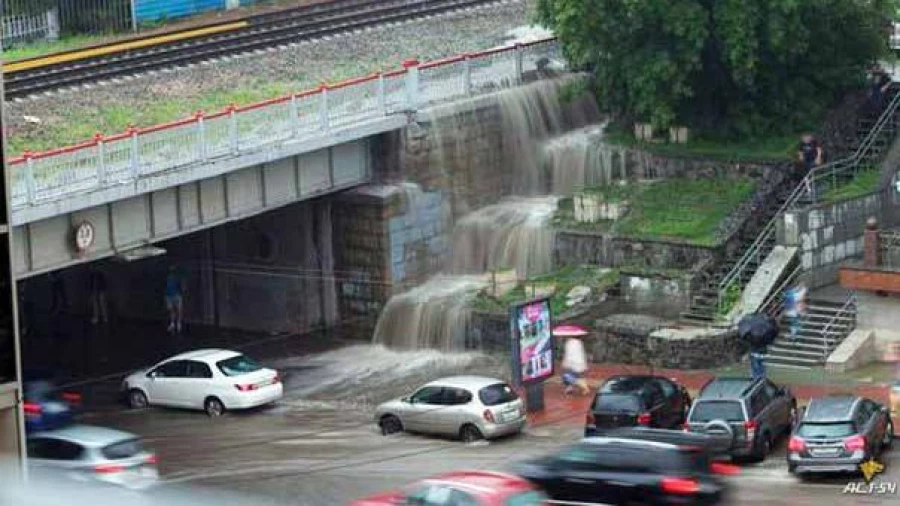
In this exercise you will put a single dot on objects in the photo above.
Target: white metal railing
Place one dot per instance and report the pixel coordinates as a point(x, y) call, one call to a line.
point(126, 157)
point(27, 27)
point(808, 189)
point(835, 328)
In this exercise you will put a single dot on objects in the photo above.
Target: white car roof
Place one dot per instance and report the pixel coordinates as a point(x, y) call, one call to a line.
point(206, 355)
point(87, 435)
point(468, 382)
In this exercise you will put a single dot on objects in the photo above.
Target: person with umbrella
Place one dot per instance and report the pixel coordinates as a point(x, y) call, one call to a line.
point(759, 330)
point(574, 361)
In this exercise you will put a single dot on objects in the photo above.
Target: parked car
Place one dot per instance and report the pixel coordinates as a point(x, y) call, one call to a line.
point(88, 453)
point(468, 407)
point(636, 466)
point(838, 433)
point(749, 414)
point(46, 407)
point(463, 488)
point(626, 401)
point(212, 380)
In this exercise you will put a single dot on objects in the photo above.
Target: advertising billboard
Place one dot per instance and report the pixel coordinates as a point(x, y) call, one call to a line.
point(532, 339)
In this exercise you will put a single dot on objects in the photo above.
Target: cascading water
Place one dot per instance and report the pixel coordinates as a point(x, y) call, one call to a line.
point(513, 233)
point(434, 314)
point(577, 159)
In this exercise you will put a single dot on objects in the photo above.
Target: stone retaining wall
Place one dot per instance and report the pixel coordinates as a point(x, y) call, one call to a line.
point(592, 248)
point(642, 340)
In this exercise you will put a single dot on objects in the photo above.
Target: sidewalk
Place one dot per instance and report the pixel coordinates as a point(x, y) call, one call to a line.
point(560, 409)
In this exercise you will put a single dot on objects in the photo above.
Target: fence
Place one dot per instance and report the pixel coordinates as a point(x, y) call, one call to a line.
point(26, 26)
point(889, 244)
point(139, 152)
point(95, 16)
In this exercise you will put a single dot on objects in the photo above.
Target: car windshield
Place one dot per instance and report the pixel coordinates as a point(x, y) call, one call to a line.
point(123, 449)
point(617, 403)
point(499, 393)
point(235, 366)
point(826, 430)
point(728, 411)
point(527, 499)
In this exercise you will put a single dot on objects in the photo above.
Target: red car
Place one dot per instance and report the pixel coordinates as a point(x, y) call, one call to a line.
point(462, 488)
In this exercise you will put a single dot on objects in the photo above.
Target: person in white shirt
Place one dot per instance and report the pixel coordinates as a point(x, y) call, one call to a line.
point(574, 366)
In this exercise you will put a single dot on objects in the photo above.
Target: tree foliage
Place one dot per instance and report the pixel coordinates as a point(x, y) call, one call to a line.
point(738, 67)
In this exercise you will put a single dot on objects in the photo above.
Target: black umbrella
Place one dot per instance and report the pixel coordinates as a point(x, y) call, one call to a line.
point(758, 328)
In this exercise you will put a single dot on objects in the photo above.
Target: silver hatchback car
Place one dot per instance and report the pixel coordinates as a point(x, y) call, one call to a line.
point(468, 407)
point(86, 453)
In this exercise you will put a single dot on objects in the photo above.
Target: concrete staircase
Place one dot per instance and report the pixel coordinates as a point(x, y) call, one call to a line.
point(704, 309)
point(823, 328)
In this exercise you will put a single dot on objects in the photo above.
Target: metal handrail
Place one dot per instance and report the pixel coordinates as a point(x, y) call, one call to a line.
point(826, 333)
point(805, 185)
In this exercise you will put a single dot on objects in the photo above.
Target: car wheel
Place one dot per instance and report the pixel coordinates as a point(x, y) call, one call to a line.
point(888, 440)
point(213, 407)
point(390, 424)
point(137, 399)
point(470, 434)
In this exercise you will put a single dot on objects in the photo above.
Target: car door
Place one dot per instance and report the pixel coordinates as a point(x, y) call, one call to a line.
point(197, 385)
point(673, 400)
point(165, 381)
point(421, 409)
point(781, 407)
point(455, 411)
point(882, 419)
point(583, 473)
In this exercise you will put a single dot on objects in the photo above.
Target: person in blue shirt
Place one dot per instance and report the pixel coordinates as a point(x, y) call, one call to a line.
point(175, 299)
point(794, 306)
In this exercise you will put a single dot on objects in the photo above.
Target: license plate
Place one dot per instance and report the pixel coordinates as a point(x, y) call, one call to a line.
point(509, 416)
point(824, 452)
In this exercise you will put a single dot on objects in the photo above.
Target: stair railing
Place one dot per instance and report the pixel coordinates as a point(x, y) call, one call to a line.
point(806, 187)
point(774, 303)
point(830, 329)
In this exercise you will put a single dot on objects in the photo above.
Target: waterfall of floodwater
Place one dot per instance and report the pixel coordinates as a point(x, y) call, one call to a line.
point(577, 159)
point(510, 234)
point(434, 314)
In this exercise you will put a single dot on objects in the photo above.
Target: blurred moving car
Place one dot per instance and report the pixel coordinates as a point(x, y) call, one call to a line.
point(640, 466)
point(838, 433)
point(468, 407)
point(46, 407)
point(750, 414)
point(463, 488)
point(88, 453)
point(627, 401)
point(213, 380)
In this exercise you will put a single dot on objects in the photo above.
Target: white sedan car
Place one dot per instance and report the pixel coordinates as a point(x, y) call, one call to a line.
point(212, 380)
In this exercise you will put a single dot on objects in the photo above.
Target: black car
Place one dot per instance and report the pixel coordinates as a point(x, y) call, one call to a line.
point(628, 401)
point(838, 433)
point(635, 466)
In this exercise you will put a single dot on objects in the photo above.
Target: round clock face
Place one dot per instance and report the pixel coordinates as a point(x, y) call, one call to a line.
point(84, 236)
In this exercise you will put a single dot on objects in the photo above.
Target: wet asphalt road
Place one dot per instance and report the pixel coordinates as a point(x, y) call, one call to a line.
point(319, 445)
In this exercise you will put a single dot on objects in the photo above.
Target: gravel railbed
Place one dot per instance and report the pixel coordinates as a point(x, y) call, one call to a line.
point(73, 116)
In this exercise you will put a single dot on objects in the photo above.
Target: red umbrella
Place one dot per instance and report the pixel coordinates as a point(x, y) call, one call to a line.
point(569, 331)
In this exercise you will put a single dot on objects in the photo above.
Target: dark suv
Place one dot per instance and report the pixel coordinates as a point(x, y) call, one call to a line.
point(628, 401)
point(636, 466)
point(838, 433)
point(750, 414)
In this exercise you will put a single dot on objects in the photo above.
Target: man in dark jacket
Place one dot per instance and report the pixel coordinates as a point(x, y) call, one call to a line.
point(759, 348)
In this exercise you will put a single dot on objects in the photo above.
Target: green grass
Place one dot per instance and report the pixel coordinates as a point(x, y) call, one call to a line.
point(873, 373)
point(673, 209)
point(775, 148)
point(864, 182)
point(116, 118)
point(40, 48)
point(564, 280)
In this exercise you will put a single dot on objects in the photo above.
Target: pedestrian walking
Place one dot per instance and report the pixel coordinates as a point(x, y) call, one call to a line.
point(759, 330)
point(794, 308)
point(574, 366)
point(175, 300)
point(99, 308)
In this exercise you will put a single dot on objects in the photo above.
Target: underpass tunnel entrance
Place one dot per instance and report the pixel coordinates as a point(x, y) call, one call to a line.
point(238, 283)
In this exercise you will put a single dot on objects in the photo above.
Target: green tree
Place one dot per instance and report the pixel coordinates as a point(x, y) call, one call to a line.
point(732, 67)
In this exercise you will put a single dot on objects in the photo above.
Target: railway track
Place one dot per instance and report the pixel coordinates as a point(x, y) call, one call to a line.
point(260, 32)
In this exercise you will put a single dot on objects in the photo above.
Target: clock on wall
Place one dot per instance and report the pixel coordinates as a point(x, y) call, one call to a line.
point(84, 236)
